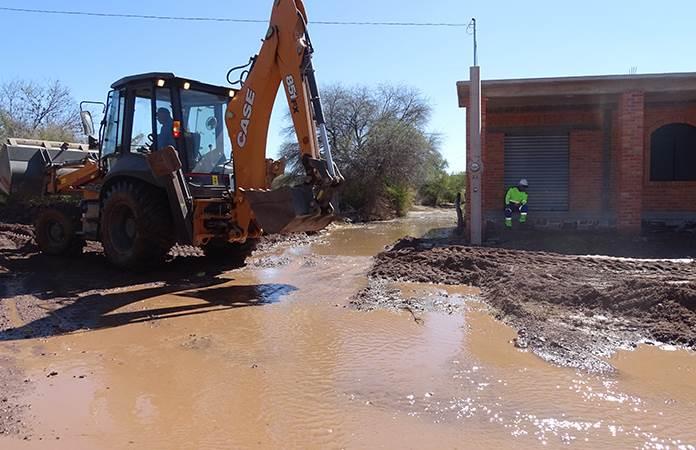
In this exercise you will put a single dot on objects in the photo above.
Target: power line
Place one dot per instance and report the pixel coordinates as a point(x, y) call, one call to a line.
point(227, 19)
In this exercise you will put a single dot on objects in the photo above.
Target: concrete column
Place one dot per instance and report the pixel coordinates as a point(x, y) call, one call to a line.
point(630, 162)
point(474, 161)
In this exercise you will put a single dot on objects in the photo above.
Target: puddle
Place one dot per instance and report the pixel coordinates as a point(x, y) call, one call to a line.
point(274, 357)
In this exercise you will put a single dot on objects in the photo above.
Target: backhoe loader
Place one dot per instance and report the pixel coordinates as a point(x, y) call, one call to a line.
point(180, 161)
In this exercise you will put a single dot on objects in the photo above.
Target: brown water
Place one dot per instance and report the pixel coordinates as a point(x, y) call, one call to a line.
point(273, 358)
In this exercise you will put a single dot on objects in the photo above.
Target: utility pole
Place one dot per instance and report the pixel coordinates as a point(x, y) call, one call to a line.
point(473, 27)
point(475, 167)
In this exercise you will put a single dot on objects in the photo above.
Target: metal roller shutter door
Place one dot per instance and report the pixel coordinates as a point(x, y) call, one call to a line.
point(544, 161)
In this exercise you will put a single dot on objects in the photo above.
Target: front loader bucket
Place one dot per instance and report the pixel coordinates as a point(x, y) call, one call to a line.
point(5, 172)
point(287, 210)
point(23, 165)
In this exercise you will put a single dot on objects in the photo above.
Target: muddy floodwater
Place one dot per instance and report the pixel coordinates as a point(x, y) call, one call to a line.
point(272, 355)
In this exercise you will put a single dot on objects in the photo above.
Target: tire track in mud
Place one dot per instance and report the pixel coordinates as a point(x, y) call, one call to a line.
point(13, 412)
point(576, 310)
point(42, 296)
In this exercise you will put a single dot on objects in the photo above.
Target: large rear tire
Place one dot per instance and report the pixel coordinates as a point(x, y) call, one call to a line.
point(55, 231)
point(136, 225)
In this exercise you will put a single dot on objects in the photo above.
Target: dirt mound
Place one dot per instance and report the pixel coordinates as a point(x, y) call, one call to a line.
point(14, 239)
point(14, 236)
point(575, 309)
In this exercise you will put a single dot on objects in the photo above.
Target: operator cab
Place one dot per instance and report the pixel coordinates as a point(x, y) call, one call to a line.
point(146, 113)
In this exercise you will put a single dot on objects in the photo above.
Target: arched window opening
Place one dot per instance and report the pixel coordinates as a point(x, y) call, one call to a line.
point(673, 153)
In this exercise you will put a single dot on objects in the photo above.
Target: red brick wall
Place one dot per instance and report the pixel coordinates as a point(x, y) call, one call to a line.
point(585, 188)
point(585, 147)
point(494, 179)
point(615, 155)
point(546, 117)
point(630, 164)
point(663, 196)
point(633, 122)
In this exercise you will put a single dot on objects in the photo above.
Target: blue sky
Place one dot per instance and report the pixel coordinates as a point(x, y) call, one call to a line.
point(516, 39)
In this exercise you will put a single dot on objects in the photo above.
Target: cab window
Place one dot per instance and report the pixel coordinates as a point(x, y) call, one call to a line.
point(164, 115)
point(141, 136)
point(113, 124)
point(209, 149)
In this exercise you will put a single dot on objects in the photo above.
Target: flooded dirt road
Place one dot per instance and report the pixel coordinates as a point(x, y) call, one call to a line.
point(573, 310)
point(273, 355)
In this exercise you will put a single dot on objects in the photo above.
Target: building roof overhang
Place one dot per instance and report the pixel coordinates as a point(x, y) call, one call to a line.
point(590, 90)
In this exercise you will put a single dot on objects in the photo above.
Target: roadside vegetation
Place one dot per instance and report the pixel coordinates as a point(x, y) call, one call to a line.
point(441, 188)
point(380, 142)
point(34, 110)
point(31, 110)
point(379, 137)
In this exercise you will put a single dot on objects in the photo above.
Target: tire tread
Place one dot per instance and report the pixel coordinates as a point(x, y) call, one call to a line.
point(155, 235)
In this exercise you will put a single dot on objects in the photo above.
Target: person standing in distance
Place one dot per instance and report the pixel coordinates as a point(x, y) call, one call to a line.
point(516, 200)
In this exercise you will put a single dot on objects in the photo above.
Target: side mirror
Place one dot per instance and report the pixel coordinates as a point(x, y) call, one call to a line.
point(87, 123)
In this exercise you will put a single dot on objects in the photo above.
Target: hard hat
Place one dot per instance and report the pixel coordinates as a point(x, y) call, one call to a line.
point(524, 183)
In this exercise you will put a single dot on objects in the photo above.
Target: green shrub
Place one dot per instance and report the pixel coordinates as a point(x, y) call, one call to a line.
point(442, 187)
point(401, 197)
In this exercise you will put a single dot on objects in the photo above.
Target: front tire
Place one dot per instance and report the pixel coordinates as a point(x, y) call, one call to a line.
point(55, 231)
point(136, 225)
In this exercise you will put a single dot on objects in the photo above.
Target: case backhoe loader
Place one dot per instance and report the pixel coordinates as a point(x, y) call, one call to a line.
point(180, 161)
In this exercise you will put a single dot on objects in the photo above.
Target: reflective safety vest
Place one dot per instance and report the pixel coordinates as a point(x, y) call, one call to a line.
point(514, 195)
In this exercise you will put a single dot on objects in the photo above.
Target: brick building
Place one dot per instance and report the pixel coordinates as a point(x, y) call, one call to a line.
point(599, 152)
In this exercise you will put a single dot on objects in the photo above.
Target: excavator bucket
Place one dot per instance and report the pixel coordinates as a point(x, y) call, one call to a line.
point(23, 165)
point(287, 210)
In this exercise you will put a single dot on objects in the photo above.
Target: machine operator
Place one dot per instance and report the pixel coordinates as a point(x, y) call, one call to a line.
point(165, 137)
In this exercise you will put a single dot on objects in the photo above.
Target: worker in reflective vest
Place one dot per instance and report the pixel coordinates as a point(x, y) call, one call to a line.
point(516, 201)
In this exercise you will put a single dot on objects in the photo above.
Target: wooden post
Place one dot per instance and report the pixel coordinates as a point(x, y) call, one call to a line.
point(460, 214)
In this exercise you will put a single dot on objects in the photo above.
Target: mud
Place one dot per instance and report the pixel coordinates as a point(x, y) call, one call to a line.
point(572, 310)
point(413, 298)
point(13, 410)
point(15, 240)
point(45, 296)
point(276, 354)
point(653, 244)
point(18, 213)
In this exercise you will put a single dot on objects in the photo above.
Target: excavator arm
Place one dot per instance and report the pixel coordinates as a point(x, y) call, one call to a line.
point(285, 59)
point(208, 213)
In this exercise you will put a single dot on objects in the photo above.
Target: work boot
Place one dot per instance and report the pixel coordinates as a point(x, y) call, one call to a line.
point(508, 223)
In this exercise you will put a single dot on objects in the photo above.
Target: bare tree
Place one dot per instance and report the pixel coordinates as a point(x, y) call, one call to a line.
point(39, 111)
point(379, 140)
